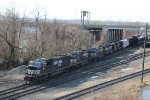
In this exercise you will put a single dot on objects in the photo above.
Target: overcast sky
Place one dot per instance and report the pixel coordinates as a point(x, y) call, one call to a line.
point(117, 10)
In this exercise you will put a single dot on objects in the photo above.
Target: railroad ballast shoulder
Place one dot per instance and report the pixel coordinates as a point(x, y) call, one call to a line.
point(41, 69)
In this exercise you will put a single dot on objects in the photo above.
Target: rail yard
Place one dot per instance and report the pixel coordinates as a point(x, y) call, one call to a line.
point(79, 73)
point(74, 50)
point(123, 63)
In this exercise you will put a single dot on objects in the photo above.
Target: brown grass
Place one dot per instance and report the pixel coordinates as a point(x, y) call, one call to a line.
point(129, 90)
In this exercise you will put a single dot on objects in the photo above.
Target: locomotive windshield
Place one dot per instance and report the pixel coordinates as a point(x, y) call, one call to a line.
point(32, 68)
point(93, 50)
point(34, 65)
point(74, 55)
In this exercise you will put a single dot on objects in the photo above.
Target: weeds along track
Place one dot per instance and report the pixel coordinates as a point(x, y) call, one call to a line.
point(101, 86)
point(22, 90)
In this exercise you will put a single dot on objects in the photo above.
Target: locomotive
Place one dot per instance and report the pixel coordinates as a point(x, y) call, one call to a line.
point(41, 69)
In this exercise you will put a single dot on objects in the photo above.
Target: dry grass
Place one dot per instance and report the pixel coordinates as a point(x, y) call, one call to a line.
point(129, 90)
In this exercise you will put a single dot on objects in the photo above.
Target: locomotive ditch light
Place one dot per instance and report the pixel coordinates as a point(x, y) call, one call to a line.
point(27, 67)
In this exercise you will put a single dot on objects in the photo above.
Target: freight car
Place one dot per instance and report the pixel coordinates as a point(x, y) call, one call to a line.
point(42, 69)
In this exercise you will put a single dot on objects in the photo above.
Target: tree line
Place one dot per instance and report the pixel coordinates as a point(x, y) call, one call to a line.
point(23, 39)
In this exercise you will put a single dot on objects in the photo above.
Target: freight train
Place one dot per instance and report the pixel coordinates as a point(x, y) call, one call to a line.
point(42, 69)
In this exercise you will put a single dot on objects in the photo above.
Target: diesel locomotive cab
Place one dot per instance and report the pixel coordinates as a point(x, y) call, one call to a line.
point(32, 71)
point(73, 58)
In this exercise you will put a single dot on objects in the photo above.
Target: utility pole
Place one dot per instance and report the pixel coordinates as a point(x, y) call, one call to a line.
point(144, 53)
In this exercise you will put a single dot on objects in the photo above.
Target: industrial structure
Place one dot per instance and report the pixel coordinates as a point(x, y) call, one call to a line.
point(103, 34)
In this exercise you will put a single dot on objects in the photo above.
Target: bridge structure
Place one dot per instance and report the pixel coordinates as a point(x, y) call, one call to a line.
point(112, 33)
point(109, 33)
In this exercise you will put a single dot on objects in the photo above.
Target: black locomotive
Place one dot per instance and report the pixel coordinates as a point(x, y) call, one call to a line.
point(42, 69)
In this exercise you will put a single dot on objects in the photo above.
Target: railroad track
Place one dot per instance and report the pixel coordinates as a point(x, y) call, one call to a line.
point(13, 89)
point(100, 86)
point(21, 91)
point(111, 63)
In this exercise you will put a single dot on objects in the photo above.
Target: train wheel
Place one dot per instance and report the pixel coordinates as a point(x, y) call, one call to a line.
point(49, 75)
point(42, 78)
point(27, 82)
point(46, 77)
point(67, 69)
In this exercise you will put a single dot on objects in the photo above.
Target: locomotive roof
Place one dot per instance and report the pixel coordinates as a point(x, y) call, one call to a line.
point(124, 40)
point(95, 46)
point(106, 45)
point(60, 56)
point(74, 52)
point(57, 57)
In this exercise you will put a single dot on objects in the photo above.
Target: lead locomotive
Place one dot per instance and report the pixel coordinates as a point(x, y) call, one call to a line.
point(41, 69)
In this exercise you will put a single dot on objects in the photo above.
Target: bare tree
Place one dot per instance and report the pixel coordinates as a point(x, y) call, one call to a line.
point(46, 38)
point(10, 34)
point(37, 42)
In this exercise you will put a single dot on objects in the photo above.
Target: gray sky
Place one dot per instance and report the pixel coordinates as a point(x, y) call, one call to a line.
point(117, 10)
